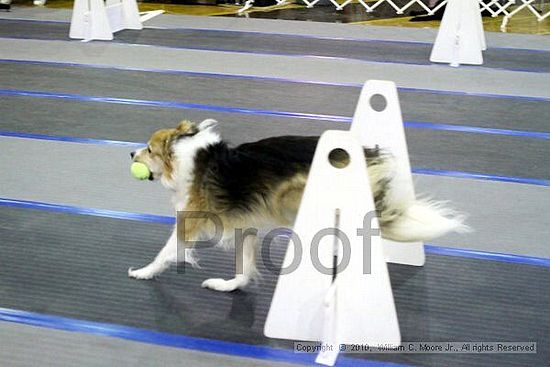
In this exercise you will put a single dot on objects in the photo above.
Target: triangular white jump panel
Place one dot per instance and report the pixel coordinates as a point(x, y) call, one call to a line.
point(377, 122)
point(96, 20)
point(363, 303)
point(123, 14)
point(475, 12)
point(89, 21)
point(460, 39)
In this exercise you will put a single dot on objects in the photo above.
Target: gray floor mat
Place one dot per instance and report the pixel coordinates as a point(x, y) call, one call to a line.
point(317, 69)
point(379, 51)
point(68, 349)
point(505, 216)
point(504, 113)
point(446, 150)
point(75, 266)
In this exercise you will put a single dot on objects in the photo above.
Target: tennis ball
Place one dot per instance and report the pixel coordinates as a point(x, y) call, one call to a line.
point(140, 171)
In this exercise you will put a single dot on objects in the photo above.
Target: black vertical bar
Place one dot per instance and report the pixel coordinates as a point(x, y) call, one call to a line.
point(335, 245)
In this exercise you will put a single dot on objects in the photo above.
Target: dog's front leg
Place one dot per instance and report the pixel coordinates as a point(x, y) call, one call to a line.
point(166, 257)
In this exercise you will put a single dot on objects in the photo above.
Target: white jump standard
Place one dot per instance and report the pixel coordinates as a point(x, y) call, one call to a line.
point(99, 20)
point(354, 304)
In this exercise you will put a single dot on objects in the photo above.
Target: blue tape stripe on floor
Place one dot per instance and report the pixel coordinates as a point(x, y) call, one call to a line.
point(26, 204)
point(274, 79)
point(332, 38)
point(481, 176)
point(176, 341)
point(473, 94)
point(423, 171)
point(475, 129)
point(71, 139)
point(486, 255)
point(172, 104)
point(184, 72)
point(297, 115)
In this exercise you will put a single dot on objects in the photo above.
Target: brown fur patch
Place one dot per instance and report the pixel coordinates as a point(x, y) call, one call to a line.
point(158, 155)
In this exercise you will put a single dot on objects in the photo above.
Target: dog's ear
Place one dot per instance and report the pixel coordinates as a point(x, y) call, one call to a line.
point(186, 127)
point(167, 143)
point(207, 124)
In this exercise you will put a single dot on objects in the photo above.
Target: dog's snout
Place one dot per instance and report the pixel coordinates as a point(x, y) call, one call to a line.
point(132, 154)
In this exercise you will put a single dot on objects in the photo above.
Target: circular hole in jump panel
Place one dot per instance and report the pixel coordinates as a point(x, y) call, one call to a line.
point(378, 102)
point(339, 158)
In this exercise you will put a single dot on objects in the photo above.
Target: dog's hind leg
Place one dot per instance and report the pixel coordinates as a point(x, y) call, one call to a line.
point(166, 257)
point(245, 261)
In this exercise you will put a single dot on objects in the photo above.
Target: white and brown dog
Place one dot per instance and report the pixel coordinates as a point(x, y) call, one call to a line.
point(260, 185)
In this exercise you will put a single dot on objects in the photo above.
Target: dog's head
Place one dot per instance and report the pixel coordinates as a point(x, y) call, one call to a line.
point(158, 156)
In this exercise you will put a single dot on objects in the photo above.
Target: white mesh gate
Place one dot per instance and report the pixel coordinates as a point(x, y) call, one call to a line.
point(494, 7)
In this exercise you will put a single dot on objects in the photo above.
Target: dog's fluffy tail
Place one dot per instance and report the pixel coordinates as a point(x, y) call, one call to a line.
point(423, 220)
point(404, 220)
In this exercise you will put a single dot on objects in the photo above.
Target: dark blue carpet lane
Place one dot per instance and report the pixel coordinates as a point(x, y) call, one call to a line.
point(379, 51)
point(432, 149)
point(259, 94)
point(75, 266)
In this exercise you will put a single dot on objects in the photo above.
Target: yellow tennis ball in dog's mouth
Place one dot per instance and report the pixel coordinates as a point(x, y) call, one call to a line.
point(140, 171)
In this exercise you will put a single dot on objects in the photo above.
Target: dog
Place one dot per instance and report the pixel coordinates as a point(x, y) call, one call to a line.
point(260, 185)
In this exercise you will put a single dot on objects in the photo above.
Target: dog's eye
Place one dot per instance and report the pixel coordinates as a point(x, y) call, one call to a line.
point(149, 149)
point(188, 134)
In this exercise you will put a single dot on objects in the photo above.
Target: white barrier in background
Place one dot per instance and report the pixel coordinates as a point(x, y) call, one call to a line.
point(494, 7)
point(250, 3)
point(397, 9)
point(98, 20)
point(524, 4)
point(460, 39)
point(348, 307)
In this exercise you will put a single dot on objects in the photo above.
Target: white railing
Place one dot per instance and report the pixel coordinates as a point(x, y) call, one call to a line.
point(493, 7)
point(525, 4)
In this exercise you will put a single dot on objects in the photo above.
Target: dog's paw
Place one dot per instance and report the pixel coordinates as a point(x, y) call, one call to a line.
point(142, 273)
point(221, 285)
